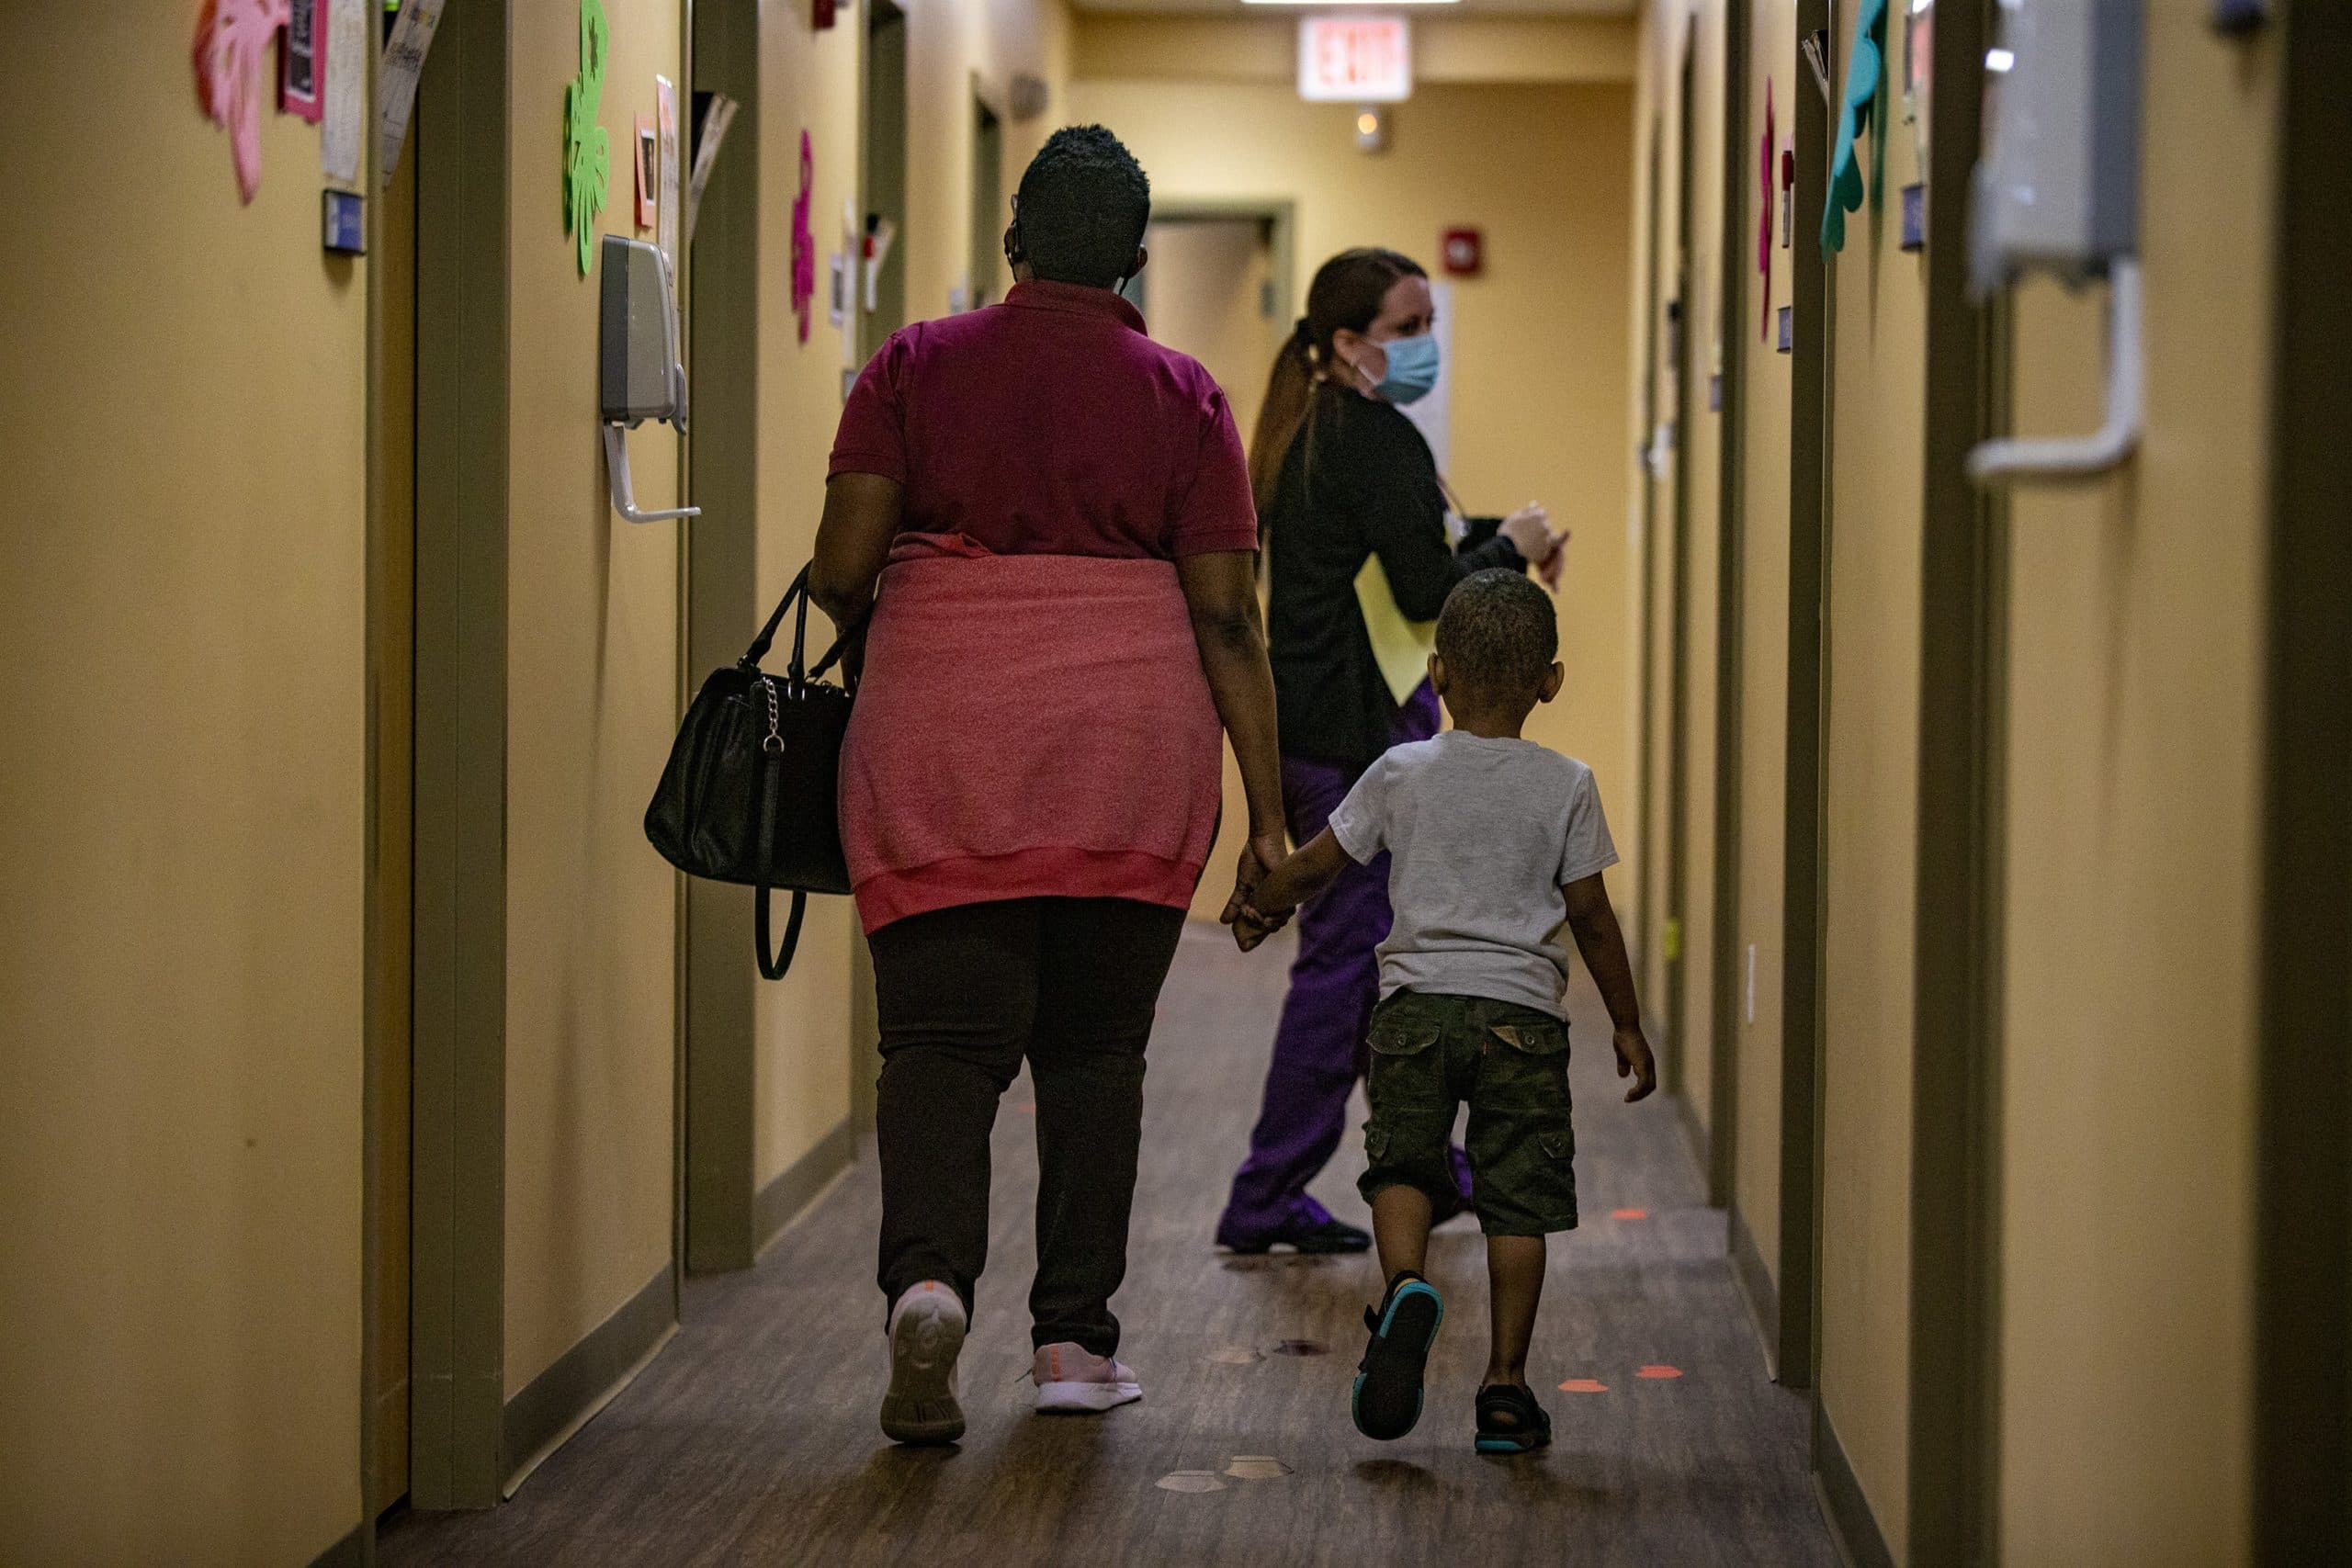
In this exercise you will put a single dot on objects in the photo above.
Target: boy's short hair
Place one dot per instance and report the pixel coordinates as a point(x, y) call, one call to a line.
point(1084, 205)
point(1497, 632)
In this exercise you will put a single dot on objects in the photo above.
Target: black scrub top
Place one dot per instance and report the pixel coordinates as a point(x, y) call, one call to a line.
point(1358, 480)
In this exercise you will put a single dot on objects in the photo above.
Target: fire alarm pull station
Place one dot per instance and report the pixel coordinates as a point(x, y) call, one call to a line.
point(1464, 252)
point(639, 375)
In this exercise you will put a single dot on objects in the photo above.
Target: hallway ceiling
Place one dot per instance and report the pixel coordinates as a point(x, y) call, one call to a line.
point(1469, 7)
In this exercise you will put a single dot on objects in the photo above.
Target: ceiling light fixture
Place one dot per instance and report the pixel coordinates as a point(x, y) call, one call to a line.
point(1357, 5)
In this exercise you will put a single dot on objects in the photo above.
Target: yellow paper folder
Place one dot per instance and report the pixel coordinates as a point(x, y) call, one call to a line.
point(1401, 648)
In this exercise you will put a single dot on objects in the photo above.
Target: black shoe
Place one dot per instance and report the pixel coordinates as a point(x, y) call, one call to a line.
point(1388, 1396)
point(1329, 1236)
point(1510, 1421)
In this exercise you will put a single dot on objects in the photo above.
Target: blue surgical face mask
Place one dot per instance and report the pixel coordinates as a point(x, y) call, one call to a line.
point(1412, 368)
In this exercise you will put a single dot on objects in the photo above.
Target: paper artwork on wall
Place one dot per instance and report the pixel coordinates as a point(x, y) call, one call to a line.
point(345, 104)
point(1865, 77)
point(404, 54)
point(649, 171)
point(714, 112)
point(587, 151)
point(803, 240)
point(665, 123)
point(231, 37)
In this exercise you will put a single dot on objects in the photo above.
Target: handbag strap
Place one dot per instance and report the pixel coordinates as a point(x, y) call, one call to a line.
point(760, 644)
point(795, 672)
point(773, 966)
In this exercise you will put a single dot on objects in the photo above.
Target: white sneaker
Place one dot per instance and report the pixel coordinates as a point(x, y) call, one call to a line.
point(1072, 1380)
point(926, 1332)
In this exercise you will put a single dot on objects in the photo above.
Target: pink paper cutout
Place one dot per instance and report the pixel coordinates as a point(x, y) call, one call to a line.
point(804, 240)
point(231, 37)
point(1764, 228)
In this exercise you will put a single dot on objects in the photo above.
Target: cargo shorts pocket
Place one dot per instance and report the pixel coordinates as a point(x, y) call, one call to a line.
point(1527, 1181)
point(1406, 1037)
point(1404, 1072)
point(1530, 1071)
point(1548, 1038)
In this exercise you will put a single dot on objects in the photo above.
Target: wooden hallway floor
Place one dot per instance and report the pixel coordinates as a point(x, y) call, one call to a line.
point(751, 1438)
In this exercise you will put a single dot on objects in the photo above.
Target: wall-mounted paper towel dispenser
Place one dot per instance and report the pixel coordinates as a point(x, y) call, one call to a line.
point(640, 376)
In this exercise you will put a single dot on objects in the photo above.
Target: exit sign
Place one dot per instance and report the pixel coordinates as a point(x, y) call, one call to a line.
point(1354, 60)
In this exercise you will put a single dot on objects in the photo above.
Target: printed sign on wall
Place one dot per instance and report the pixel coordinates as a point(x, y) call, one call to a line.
point(665, 122)
point(1354, 60)
point(303, 60)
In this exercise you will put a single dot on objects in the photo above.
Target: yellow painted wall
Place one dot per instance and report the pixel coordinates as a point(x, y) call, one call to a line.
point(808, 80)
point(2134, 696)
point(592, 706)
point(958, 49)
point(1764, 640)
point(1539, 340)
point(1656, 286)
point(1870, 782)
point(1697, 475)
point(1762, 389)
point(182, 821)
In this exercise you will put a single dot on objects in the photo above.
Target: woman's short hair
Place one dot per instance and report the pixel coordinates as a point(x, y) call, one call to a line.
point(1083, 206)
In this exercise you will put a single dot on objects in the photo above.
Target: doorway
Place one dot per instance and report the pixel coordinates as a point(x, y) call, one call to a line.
point(883, 277)
point(1213, 290)
point(392, 675)
point(1681, 349)
point(988, 278)
point(719, 1223)
point(1218, 289)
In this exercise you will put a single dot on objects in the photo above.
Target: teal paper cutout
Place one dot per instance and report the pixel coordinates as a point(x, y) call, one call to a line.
point(587, 152)
point(1862, 80)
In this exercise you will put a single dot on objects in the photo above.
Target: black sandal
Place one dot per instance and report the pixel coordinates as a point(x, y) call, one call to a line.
point(1510, 1421)
point(1386, 1400)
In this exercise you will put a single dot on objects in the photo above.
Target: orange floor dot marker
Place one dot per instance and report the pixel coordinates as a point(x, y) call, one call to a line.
point(1629, 1213)
point(1584, 1386)
point(1658, 1370)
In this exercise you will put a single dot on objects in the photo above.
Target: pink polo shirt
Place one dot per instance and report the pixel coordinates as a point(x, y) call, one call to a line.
point(1050, 424)
point(1033, 720)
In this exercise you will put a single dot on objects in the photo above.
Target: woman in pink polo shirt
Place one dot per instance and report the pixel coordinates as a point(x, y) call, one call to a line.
point(1039, 521)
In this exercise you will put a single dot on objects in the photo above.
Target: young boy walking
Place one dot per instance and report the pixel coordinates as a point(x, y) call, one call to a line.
point(1492, 838)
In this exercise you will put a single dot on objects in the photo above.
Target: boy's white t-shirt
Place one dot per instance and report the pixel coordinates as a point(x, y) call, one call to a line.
point(1483, 833)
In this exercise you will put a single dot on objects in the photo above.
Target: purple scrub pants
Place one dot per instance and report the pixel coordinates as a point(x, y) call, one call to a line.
point(1319, 1043)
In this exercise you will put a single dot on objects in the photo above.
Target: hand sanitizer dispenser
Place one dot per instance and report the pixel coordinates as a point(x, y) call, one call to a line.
point(639, 373)
point(2058, 190)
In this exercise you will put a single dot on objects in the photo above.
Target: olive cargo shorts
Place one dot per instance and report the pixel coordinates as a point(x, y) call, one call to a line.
point(1429, 1053)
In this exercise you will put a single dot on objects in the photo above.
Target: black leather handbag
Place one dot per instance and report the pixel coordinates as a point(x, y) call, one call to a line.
point(752, 793)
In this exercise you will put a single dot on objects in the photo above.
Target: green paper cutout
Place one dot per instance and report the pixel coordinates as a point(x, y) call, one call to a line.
point(1864, 78)
point(587, 152)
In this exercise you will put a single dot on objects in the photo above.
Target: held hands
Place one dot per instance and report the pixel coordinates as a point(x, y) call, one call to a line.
point(1634, 1057)
point(1258, 856)
point(1530, 531)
